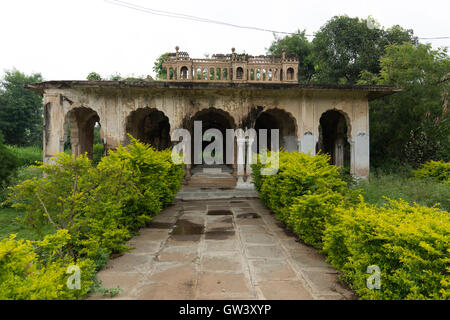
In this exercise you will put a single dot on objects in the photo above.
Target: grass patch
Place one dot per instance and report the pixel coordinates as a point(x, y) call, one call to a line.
point(425, 192)
point(27, 155)
point(10, 222)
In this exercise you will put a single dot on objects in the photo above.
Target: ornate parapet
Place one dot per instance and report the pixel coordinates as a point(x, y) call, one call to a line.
point(232, 67)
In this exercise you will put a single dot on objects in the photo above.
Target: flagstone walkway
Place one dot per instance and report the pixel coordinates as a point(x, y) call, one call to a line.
point(220, 249)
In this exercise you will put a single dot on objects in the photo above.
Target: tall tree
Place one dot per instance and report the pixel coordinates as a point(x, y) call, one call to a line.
point(158, 69)
point(8, 163)
point(413, 125)
point(20, 109)
point(94, 76)
point(296, 44)
point(344, 47)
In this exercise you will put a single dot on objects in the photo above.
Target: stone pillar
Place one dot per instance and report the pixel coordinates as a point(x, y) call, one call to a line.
point(53, 126)
point(360, 156)
point(339, 152)
point(234, 165)
point(249, 159)
point(240, 160)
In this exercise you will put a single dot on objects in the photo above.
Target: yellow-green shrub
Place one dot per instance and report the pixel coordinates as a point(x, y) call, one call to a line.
point(410, 244)
point(38, 270)
point(100, 206)
point(437, 170)
point(308, 215)
point(303, 193)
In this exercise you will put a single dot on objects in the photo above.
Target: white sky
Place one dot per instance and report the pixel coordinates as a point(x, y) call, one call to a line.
point(67, 39)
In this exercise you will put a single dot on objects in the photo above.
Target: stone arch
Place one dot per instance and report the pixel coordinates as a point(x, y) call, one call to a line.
point(335, 137)
point(347, 120)
point(290, 74)
point(79, 125)
point(284, 121)
point(212, 118)
point(239, 73)
point(149, 125)
point(184, 73)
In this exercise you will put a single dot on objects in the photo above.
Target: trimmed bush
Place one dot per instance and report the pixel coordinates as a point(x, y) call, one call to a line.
point(437, 170)
point(102, 206)
point(37, 270)
point(308, 215)
point(303, 193)
point(409, 243)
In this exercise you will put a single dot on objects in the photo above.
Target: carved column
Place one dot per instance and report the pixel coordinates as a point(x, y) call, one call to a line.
point(249, 159)
point(240, 160)
point(339, 152)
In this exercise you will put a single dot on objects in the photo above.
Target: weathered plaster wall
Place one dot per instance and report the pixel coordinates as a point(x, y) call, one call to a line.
point(113, 106)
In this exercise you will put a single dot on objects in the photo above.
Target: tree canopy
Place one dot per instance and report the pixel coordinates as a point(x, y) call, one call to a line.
point(296, 44)
point(158, 69)
point(20, 109)
point(413, 125)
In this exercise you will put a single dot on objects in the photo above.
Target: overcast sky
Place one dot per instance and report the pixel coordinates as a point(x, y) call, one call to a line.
point(67, 39)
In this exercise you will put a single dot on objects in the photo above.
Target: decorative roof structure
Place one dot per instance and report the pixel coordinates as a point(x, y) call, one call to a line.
point(232, 67)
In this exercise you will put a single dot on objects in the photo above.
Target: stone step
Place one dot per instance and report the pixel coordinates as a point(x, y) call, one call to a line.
point(218, 180)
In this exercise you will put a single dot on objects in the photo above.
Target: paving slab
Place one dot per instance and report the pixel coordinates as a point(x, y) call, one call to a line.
point(220, 249)
point(284, 290)
point(258, 238)
point(223, 284)
point(272, 270)
point(178, 254)
point(226, 263)
point(268, 252)
point(130, 263)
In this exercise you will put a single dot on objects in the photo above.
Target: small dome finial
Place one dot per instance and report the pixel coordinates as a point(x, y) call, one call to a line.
point(233, 49)
point(177, 48)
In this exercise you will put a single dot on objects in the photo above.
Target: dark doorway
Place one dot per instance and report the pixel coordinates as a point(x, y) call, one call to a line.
point(150, 126)
point(333, 138)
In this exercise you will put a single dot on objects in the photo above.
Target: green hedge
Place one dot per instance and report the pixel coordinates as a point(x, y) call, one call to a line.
point(100, 207)
point(410, 244)
point(303, 193)
point(36, 270)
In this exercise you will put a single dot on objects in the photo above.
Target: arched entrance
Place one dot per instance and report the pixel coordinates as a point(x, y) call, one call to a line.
point(149, 126)
point(81, 125)
point(211, 119)
point(281, 120)
point(333, 131)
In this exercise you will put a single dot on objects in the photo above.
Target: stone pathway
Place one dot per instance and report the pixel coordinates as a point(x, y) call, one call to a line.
point(220, 249)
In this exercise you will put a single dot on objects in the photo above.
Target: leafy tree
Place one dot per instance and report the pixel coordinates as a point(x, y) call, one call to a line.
point(158, 69)
point(20, 109)
point(94, 76)
point(344, 47)
point(115, 77)
point(413, 125)
point(296, 44)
